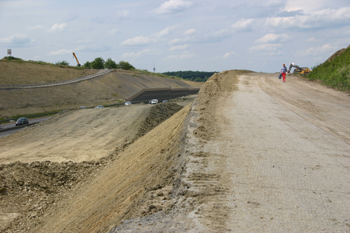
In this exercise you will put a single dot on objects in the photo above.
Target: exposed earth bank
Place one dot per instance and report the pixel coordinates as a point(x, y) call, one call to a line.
point(251, 153)
point(111, 88)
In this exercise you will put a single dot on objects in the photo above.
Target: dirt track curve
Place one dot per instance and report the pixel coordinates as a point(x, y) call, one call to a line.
point(250, 154)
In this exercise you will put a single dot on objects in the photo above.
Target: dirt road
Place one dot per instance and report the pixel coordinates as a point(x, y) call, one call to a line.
point(276, 156)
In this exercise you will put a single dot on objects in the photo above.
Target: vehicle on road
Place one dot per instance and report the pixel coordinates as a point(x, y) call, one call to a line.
point(22, 121)
point(99, 106)
point(154, 101)
point(164, 101)
point(128, 103)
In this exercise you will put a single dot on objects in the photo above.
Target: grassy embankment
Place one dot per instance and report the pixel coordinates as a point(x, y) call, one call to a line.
point(334, 73)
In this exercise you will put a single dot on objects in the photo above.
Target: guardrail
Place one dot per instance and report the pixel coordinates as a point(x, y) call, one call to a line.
point(100, 73)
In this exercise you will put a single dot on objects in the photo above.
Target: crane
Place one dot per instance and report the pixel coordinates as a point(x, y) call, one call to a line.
point(76, 59)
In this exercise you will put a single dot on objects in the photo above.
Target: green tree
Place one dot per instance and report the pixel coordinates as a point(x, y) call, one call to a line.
point(62, 63)
point(110, 64)
point(87, 64)
point(125, 65)
point(98, 63)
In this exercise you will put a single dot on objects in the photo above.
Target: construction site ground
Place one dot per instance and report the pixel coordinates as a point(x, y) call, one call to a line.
point(250, 153)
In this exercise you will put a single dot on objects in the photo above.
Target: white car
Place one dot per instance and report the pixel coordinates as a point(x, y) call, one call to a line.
point(128, 103)
point(99, 106)
point(154, 101)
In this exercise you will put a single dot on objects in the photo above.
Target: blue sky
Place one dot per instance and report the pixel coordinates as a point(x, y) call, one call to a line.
point(174, 35)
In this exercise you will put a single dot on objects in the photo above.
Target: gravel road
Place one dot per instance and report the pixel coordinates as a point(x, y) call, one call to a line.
point(279, 156)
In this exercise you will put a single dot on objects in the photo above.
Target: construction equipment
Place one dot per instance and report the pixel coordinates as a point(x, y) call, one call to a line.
point(76, 59)
point(298, 69)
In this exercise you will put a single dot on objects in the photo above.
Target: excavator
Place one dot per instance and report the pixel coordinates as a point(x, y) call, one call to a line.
point(76, 59)
point(298, 69)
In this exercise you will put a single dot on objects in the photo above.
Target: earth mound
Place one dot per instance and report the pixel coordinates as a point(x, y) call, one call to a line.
point(336, 54)
point(31, 190)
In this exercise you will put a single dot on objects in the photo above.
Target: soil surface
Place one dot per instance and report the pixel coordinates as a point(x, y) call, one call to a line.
point(251, 153)
point(111, 88)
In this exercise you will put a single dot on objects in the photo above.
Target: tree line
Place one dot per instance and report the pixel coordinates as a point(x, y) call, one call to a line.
point(197, 76)
point(99, 63)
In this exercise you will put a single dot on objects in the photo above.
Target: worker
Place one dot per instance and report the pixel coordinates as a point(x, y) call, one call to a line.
point(283, 72)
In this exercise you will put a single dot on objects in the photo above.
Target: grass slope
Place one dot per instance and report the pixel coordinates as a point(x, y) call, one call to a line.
point(334, 73)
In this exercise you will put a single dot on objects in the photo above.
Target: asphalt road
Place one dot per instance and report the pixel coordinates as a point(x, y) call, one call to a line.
point(10, 128)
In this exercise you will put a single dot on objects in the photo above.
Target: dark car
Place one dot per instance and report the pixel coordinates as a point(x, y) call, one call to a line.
point(22, 121)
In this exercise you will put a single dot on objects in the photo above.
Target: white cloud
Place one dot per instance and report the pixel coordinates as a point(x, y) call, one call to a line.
point(243, 25)
point(139, 54)
point(122, 14)
point(16, 40)
point(271, 38)
point(229, 54)
point(114, 31)
point(139, 40)
point(144, 40)
point(190, 31)
point(179, 47)
point(311, 39)
point(307, 5)
point(35, 27)
point(325, 49)
point(164, 32)
point(175, 41)
point(322, 18)
point(219, 34)
point(60, 52)
point(93, 48)
point(173, 6)
point(25, 3)
point(266, 47)
point(181, 56)
point(58, 27)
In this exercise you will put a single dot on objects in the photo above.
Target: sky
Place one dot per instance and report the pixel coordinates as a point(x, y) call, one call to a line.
point(174, 35)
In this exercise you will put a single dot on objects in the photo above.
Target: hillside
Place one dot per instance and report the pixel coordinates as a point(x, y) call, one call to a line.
point(27, 73)
point(111, 88)
point(335, 71)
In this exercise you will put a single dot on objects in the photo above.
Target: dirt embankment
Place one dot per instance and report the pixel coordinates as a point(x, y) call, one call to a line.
point(25, 73)
point(202, 185)
point(108, 89)
point(30, 192)
point(158, 182)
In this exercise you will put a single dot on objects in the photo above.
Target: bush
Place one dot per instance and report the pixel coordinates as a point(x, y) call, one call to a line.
point(110, 64)
point(125, 65)
point(87, 64)
point(10, 58)
point(98, 63)
point(62, 63)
